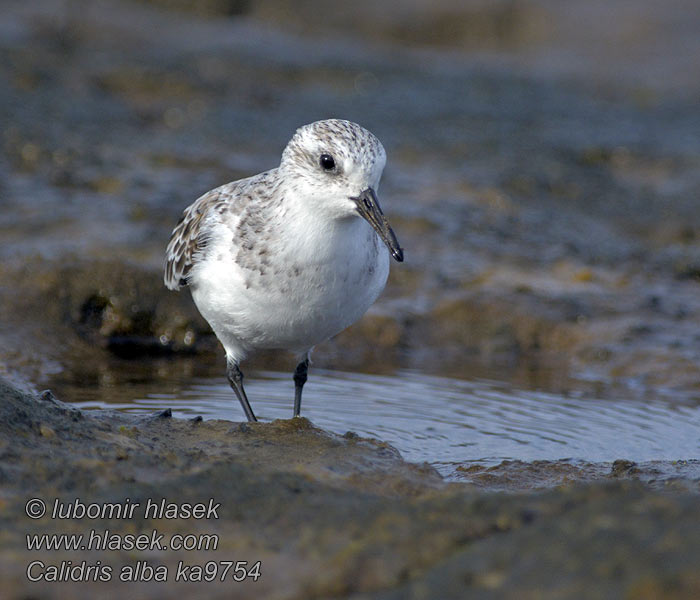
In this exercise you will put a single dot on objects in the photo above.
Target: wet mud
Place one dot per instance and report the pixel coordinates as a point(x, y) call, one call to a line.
point(327, 515)
point(550, 227)
point(543, 180)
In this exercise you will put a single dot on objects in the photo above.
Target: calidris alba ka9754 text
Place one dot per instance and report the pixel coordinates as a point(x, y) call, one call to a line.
point(290, 257)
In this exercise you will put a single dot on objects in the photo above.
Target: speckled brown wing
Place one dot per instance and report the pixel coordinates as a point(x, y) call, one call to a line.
point(188, 239)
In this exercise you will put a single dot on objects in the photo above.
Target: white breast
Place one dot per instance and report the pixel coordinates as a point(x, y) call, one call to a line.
point(310, 282)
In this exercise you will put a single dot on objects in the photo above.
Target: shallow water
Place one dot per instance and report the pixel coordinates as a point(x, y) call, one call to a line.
point(450, 422)
point(568, 203)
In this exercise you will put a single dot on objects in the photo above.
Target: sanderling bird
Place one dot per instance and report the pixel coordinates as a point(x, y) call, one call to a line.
point(288, 258)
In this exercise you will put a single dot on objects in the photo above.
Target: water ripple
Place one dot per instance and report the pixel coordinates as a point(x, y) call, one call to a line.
point(447, 421)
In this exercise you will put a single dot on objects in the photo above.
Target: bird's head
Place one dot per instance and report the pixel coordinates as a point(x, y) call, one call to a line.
point(336, 166)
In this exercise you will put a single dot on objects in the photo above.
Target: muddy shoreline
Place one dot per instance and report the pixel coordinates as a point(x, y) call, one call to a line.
point(327, 515)
point(543, 179)
point(550, 225)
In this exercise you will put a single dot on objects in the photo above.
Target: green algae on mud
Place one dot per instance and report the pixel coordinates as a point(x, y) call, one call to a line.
point(326, 515)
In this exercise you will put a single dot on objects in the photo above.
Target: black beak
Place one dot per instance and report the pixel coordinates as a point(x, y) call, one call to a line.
point(369, 209)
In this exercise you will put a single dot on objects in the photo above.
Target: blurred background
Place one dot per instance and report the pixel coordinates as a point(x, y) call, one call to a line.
point(543, 177)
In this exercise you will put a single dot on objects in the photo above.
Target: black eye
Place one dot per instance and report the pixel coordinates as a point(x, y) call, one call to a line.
point(326, 161)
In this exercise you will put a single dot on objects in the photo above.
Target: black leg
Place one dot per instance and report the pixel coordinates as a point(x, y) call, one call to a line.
point(235, 378)
point(300, 376)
